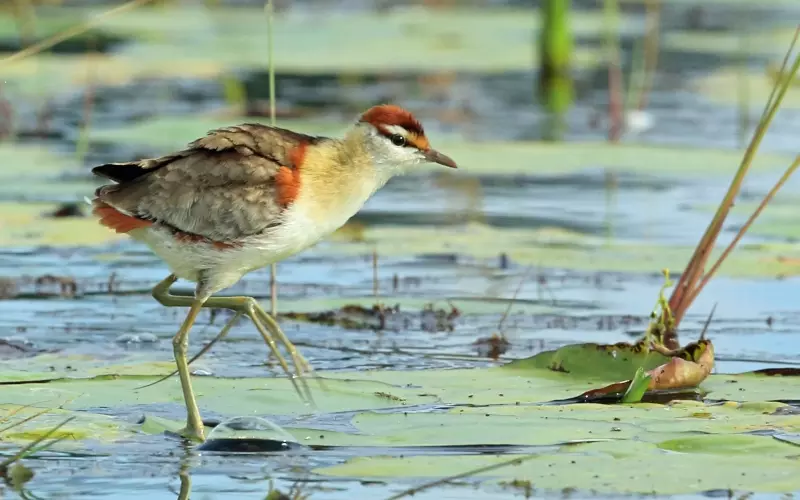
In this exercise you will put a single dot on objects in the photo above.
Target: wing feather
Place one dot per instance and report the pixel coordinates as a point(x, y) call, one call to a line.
point(222, 187)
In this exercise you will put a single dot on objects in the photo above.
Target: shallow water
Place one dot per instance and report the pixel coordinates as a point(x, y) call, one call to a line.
point(102, 307)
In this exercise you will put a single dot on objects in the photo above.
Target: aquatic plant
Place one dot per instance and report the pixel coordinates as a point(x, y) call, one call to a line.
point(695, 277)
point(12, 471)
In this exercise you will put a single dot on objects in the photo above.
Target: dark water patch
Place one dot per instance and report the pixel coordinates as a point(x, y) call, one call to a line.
point(94, 41)
point(780, 372)
point(103, 315)
point(13, 349)
point(352, 92)
point(464, 449)
point(655, 397)
point(425, 218)
point(226, 446)
point(592, 178)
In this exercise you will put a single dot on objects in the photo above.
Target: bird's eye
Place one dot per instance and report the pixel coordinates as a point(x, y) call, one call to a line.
point(398, 140)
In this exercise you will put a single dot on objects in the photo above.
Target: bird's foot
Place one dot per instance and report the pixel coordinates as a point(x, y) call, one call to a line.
point(193, 433)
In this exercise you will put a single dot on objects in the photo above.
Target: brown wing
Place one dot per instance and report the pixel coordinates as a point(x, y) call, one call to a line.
point(222, 187)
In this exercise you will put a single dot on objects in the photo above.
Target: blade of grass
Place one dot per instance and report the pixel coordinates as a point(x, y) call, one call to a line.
point(511, 302)
point(761, 206)
point(742, 86)
point(273, 269)
point(68, 33)
point(764, 115)
point(708, 322)
point(686, 290)
point(375, 277)
point(651, 45)
point(84, 129)
point(33, 445)
point(25, 13)
point(644, 58)
point(221, 335)
point(471, 472)
point(616, 92)
point(24, 420)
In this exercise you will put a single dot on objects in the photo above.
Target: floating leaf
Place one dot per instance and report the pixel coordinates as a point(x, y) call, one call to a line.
point(687, 369)
point(637, 387)
point(594, 361)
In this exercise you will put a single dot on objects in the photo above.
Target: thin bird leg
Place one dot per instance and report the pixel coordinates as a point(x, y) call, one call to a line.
point(247, 305)
point(221, 335)
point(194, 424)
point(300, 363)
point(252, 309)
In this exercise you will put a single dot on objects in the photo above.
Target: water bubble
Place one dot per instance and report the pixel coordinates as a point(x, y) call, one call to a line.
point(249, 435)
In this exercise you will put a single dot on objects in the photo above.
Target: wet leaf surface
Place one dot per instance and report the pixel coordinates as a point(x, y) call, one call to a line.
point(468, 412)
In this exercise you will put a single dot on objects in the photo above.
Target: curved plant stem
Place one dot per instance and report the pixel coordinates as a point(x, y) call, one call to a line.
point(273, 269)
point(471, 472)
point(70, 32)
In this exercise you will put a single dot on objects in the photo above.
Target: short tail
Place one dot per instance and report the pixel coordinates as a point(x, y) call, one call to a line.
point(116, 220)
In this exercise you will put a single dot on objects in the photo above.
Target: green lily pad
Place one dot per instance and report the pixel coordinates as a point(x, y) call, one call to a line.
point(85, 426)
point(30, 180)
point(514, 158)
point(579, 468)
point(225, 39)
point(26, 224)
point(523, 382)
point(720, 441)
point(417, 39)
point(36, 76)
point(560, 425)
point(563, 249)
point(725, 445)
point(770, 42)
point(594, 361)
point(723, 87)
point(29, 162)
point(751, 387)
point(175, 132)
point(35, 173)
point(264, 396)
point(477, 407)
point(778, 219)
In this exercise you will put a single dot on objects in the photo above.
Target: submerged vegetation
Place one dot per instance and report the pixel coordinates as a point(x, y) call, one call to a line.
point(456, 319)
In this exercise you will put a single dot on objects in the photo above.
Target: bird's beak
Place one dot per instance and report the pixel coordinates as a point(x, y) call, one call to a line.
point(434, 156)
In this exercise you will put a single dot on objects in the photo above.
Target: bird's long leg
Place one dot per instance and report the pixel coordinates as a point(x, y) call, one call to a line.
point(249, 307)
point(301, 364)
point(221, 335)
point(194, 424)
point(252, 309)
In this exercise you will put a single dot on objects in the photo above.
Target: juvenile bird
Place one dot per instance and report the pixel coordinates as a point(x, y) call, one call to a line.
point(246, 196)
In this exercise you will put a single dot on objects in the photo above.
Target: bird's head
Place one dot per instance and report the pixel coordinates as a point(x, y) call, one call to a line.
point(394, 138)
